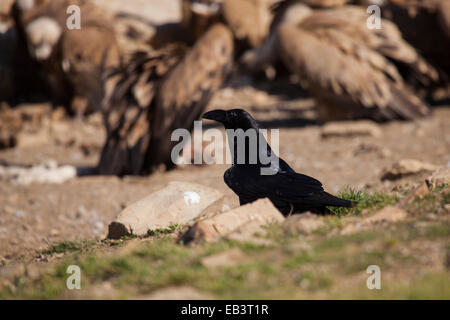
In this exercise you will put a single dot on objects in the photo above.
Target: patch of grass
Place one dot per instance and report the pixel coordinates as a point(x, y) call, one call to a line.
point(163, 231)
point(68, 246)
point(438, 231)
point(366, 201)
point(318, 265)
point(432, 285)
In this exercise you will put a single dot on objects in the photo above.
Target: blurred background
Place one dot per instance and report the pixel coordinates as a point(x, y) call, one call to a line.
point(86, 114)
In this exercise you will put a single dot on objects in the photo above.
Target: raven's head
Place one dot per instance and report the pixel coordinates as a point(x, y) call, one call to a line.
point(232, 119)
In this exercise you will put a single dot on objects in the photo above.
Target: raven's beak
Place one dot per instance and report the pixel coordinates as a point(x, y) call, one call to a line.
point(218, 115)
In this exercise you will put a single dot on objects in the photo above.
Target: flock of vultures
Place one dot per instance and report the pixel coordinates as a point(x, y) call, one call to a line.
point(148, 80)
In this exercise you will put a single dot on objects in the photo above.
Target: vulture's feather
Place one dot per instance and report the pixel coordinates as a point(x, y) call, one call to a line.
point(249, 19)
point(157, 93)
point(73, 59)
point(350, 69)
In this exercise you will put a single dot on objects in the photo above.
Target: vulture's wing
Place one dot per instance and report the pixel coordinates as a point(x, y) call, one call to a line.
point(444, 16)
point(344, 72)
point(156, 94)
point(248, 19)
point(127, 106)
point(387, 41)
point(188, 88)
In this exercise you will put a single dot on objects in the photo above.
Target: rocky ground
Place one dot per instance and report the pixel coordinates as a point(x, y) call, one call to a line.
point(46, 226)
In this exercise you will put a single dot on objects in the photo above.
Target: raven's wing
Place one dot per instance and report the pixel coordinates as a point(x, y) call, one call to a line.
point(286, 186)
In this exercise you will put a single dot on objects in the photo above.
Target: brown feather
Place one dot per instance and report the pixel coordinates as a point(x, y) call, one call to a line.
point(253, 26)
point(157, 93)
point(348, 64)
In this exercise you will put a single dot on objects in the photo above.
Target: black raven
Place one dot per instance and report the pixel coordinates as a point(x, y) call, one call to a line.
point(258, 177)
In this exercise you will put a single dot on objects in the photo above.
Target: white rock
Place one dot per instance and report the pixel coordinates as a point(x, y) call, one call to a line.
point(407, 167)
point(178, 203)
point(244, 221)
point(439, 177)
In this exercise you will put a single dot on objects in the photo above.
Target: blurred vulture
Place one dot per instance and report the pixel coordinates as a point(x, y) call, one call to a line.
point(425, 24)
point(158, 92)
point(8, 42)
point(347, 67)
point(72, 58)
point(249, 20)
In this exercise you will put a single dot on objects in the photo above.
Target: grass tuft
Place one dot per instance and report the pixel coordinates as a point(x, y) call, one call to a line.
point(366, 201)
point(163, 231)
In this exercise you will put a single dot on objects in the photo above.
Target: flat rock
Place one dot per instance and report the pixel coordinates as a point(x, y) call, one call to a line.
point(224, 259)
point(388, 214)
point(260, 213)
point(252, 231)
point(351, 129)
point(304, 223)
point(407, 167)
point(439, 177)
point(178, 203)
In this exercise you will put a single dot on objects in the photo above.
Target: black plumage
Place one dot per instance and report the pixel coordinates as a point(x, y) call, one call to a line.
point(289, 191)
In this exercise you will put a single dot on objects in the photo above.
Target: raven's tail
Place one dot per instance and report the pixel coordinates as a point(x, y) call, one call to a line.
point(331, 200)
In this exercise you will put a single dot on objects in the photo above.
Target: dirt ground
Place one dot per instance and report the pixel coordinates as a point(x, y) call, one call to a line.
point(33, 216)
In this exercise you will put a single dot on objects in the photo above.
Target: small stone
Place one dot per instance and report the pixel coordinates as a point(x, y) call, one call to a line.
point(421, 191)
point(20, 214)
point(351, 129)
point(406, 167)
point(388, 214)
point(385, 153)
point(224, 259)
point(54, 233)
point(178, 203)
point(304, 223)
point(439, 177)
point(261, 212)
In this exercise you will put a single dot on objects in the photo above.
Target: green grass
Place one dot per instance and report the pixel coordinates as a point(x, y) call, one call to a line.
point(366, 201)
point(324, 264)
point(69, 246)
point(169, 230)
point(277, 271)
